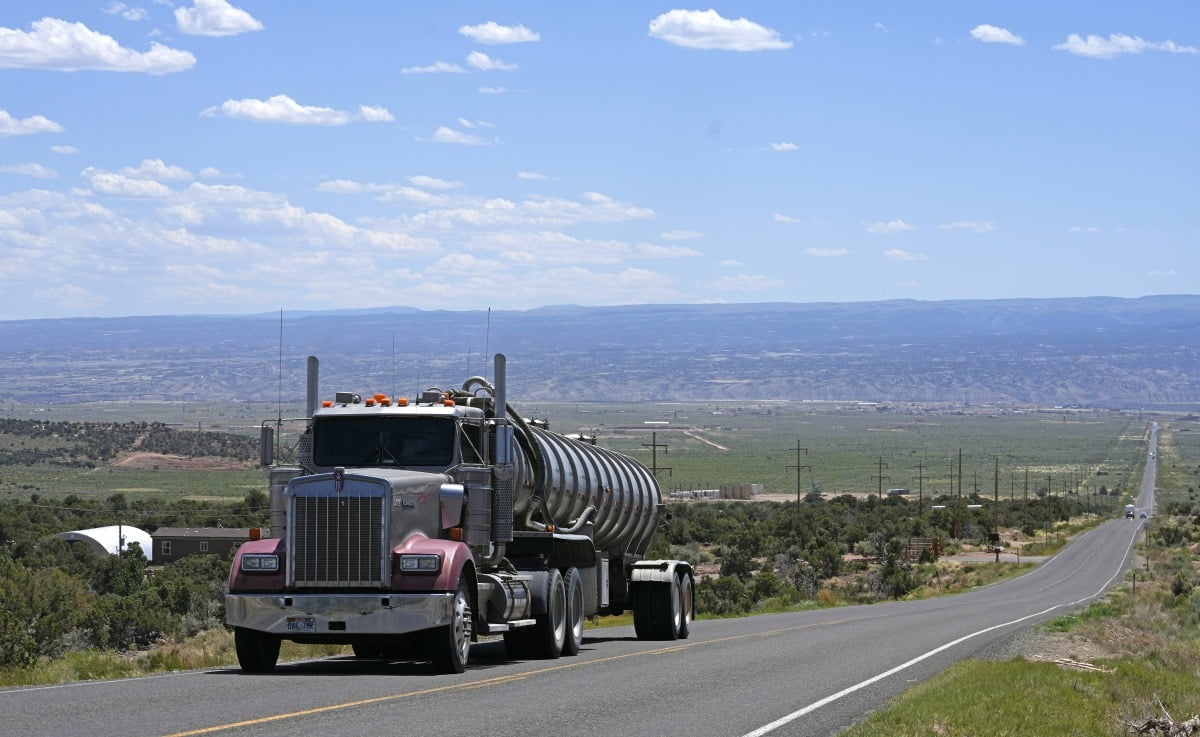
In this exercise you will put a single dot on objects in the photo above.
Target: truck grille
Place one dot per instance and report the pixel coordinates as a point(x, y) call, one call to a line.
point(337, 541)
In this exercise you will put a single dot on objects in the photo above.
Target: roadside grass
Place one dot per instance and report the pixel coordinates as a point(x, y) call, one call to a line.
point(1112, 666)
point(210, 649)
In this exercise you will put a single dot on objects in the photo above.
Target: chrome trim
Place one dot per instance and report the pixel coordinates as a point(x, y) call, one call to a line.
point(370, 614)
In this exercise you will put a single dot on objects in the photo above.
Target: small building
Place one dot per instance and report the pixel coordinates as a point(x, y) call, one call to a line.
point(108, 540)
point(173, 543)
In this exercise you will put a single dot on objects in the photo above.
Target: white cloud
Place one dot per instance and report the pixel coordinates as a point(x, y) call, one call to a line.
point(212, 172)
point(746, 283)
point(71, 47)
point(126, 12)
point(897, 254)
point(881, 27)
point(485, 63)
point(1163, 272)
point(283, 109)
point(421, 180)
point(492, 90)
point(475, 123)
point(893, 226)
point(494, 33)
point(827, 252)
point(780, 218)
point(438, 67)
point(37, 171)
point(536, 212)
point(121, 185)
point(157, 170)
point(784, 146)
point(994, 35)
point(731, 263)
point(10, 126)
point(707, 29)
point(680, 235)
point(1099, 47)
point(63, 150)
point(1084, 229)
point(654, 250)
point(445, 134)
point(215, 18)
point(532, 176)
point(372, 114)
point(978, 226)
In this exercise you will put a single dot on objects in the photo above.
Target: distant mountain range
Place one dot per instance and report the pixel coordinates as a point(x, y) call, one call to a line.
point(1095, 351)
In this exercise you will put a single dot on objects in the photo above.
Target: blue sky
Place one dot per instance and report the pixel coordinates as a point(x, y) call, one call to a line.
point(169, 157)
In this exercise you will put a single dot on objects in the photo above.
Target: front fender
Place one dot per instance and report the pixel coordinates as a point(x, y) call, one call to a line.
point(455, 558)
point(241, 581)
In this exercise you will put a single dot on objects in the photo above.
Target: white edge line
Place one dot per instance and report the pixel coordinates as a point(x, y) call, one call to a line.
point(767, 728)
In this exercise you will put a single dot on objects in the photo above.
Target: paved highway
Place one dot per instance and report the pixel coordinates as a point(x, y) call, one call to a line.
point(809, 673)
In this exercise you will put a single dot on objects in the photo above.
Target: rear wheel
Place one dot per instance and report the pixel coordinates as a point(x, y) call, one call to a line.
point(573, 639)
point(257, 652)
point(667, 610)
point(547, 636)
point(450, 645)
point(643, 613)
point(687, 605)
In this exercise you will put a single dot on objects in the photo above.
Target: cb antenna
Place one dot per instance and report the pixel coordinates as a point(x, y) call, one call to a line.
point(487, 337)
point(279, 397)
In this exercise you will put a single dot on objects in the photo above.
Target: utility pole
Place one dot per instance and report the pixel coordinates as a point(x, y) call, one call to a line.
point(799, 466)
point(654, 445)
point(881, 477)
point(1048, 487)
point(958, 510)
point(920, 486)
point(996, 493)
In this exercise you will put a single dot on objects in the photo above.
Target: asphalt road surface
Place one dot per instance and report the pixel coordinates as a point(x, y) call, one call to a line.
point(809, 673)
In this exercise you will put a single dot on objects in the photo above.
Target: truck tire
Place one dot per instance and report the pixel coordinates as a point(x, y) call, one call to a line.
point(573, 639)
point(667, 608)
point(257, 652)
point(641, 602)
point(450, 645)
point(547, 636)
point(687, 604)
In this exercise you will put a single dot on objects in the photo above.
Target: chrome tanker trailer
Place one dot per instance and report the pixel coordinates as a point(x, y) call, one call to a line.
point(410, 528)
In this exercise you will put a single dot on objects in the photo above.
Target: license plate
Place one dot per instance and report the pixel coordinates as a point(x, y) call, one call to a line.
point(301, 624)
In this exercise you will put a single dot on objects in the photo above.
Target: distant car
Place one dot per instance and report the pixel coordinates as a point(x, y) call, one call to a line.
point(1143, 515)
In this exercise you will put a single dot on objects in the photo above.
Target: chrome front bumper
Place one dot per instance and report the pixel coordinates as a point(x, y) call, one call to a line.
point(330, 615)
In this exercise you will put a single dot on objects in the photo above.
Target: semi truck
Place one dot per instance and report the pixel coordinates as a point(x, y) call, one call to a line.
point(1130, 511)
point(408, 529)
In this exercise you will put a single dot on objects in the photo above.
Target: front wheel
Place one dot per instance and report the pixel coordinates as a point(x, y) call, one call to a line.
point(257, 652)
point(450, 645)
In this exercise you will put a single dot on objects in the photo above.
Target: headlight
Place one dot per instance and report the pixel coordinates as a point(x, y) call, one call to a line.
point(260, 562)
point(420, 563)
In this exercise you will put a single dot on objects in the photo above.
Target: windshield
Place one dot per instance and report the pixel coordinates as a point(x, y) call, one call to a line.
point(383, 441)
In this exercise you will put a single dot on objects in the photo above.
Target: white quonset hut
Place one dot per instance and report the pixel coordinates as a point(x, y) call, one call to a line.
point(108, 540)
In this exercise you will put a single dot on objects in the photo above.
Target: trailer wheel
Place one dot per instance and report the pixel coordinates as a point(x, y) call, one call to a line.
point(687, 605)
point(667, 609)
point(643, 611)
point(257, 652)
point(573, 638)
point(450, 645)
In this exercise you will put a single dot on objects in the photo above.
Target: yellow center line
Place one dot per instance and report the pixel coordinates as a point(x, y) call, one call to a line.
point(497, 681)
